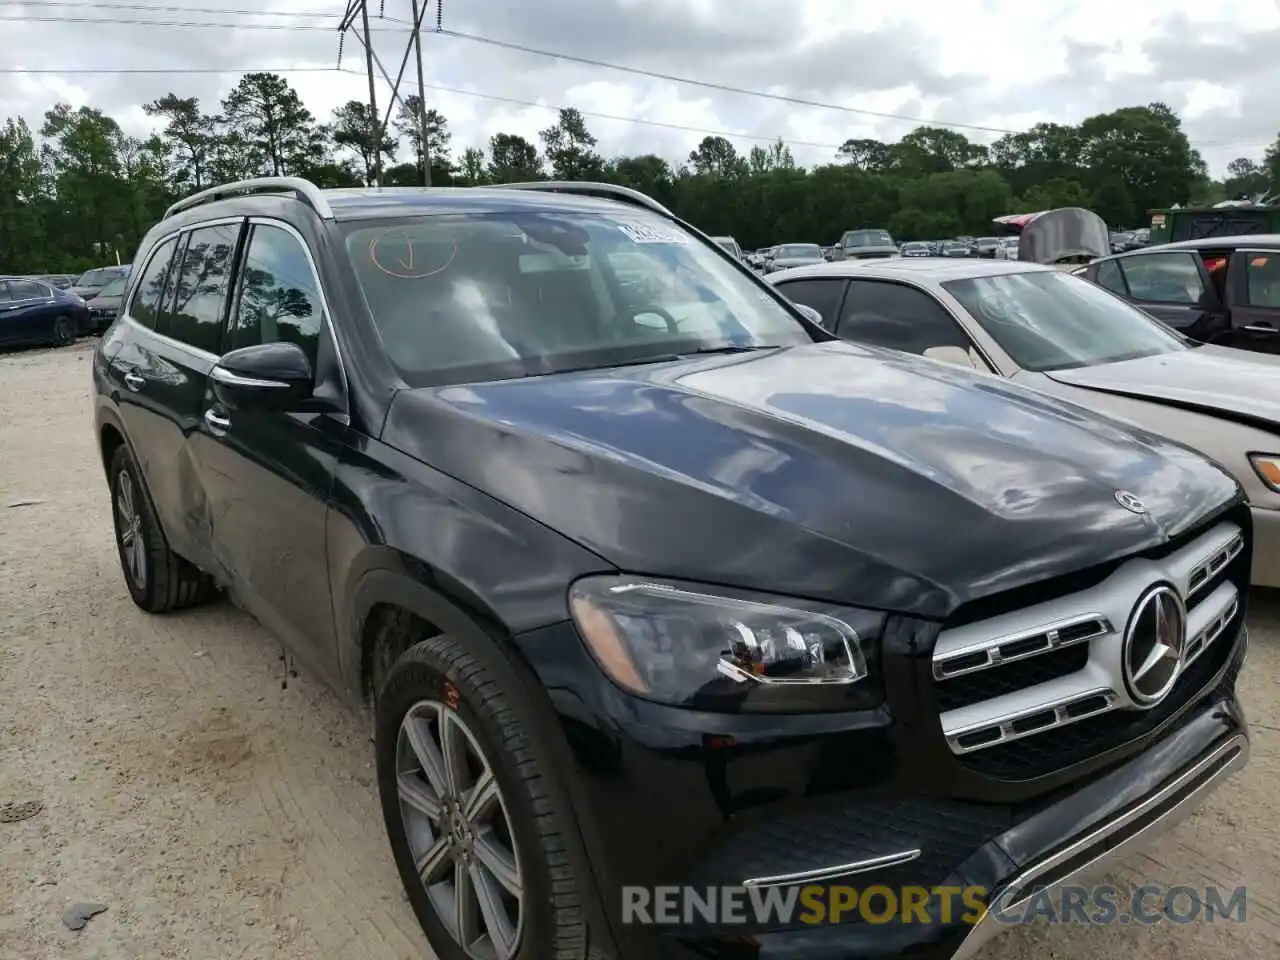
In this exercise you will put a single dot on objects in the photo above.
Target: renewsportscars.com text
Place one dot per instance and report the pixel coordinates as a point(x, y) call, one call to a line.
point(771, 906)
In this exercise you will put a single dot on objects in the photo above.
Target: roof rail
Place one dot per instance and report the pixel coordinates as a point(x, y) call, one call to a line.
point(304, 190)
point(607, 191)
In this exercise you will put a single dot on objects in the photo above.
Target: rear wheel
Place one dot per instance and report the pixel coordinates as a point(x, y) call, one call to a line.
point(158, 579)
point(64, 332)
point(477, 833)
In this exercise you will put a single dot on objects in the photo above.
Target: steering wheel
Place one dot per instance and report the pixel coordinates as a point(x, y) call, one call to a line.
point(630, 313)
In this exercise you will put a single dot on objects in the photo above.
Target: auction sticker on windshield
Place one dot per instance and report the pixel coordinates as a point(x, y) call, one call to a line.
point(650, 233)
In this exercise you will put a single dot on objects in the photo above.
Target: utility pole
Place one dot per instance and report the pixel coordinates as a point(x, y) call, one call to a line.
point(373, 95)
point(422, 92)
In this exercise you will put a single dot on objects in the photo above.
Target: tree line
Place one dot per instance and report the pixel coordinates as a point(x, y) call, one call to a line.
point(77, 191)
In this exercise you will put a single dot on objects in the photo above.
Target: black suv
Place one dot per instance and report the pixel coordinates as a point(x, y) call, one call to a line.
point(647, 580)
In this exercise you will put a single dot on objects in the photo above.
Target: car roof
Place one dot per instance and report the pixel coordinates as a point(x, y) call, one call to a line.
point(932, 269)
point(1209, 243)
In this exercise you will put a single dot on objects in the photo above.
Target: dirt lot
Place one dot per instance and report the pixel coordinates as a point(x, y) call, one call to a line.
point(219, 816)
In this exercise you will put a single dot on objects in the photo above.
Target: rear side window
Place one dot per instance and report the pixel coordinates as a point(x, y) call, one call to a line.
point(1262, 271)
point(822, 295)
point(148, 295)
point(1164, 278)
point(200, 292)
point(1110, 277)
point(279, 298)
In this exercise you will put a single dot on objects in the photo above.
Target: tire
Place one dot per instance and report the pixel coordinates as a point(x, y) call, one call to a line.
point(440, 682)
point(63, 333)
point(158, 579)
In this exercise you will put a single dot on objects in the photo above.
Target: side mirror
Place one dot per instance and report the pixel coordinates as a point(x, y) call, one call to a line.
point(810, 314)
point(270, 376)
point(955, 355)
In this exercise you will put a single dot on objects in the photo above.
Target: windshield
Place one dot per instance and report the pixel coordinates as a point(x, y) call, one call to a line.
point(988, 241)
point(98, 278)
point(519, 293)
point(915, 246)
point(1051, 320)
point(799, 251)
point(867, 238)
point(113, 289)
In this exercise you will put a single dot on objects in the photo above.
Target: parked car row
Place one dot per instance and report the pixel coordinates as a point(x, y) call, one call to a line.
point(654, 573)
point(56, 309)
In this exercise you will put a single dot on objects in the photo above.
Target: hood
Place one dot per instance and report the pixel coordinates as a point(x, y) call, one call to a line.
point(833, 471)
point(869, 250)
point(783, 263)
point(106, 303)
point(84, 293)
point(1238, 385)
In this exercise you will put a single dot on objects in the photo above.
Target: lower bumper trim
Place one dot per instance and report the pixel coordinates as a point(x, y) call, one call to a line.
point(1141, 822)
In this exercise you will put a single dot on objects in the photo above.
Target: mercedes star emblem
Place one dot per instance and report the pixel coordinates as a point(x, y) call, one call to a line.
point(1154, 645)
point(1130, 502)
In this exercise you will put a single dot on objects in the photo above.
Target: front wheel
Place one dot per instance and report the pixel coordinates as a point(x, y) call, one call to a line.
point(158, 579)
point(477, 837)
point(63, 332)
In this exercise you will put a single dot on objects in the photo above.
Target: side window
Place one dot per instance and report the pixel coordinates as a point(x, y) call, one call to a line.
point(903, 318)
point(5, 295)
point(200, 291)
point(149, 292)
point(1262, 273)
point(1110, 277)
point(26, 290)
point(822, 295)
point(279, 298)
point(1163, 277)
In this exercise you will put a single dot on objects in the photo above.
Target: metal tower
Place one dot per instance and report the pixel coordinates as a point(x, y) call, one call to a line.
point(373, 68)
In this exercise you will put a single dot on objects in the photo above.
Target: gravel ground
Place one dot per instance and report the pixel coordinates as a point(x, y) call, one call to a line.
point(217, 815)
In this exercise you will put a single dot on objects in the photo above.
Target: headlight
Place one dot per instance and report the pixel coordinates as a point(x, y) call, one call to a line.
point(1267, 466)
point(730, 651)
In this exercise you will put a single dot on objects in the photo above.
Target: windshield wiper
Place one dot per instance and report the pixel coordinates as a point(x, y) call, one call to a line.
point(730, 348)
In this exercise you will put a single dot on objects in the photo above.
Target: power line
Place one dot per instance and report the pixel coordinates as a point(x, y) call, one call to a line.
point(112, 71)
point(512, 46)
point(595, 115)
point(77, 5)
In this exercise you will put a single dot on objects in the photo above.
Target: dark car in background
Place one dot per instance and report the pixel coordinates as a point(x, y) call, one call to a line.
point(955, 248)
point(662, 588)
point(32, 311)
point(788, 255)
point(1221, 290)
point(865, 244)
point(89, 283)
point(104, 307)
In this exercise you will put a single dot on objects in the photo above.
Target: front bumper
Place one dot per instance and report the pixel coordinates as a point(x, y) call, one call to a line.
point(669, 797)
point(1266, 547)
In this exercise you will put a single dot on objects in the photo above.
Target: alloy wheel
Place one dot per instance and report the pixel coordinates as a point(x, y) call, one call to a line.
point(129, 530)
point(458, 829)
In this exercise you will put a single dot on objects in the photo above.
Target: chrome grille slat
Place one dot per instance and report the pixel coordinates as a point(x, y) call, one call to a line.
point(1101, 615)
point(994, 653)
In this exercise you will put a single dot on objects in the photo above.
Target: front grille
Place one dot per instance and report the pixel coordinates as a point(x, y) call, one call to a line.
point(1035, 688)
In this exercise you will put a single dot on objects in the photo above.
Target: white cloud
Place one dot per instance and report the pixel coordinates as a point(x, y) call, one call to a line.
point(992, 63)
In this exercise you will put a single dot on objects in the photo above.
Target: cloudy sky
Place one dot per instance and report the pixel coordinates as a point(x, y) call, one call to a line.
point(985, 66)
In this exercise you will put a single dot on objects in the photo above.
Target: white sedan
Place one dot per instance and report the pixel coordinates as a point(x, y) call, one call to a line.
point(1063, 335)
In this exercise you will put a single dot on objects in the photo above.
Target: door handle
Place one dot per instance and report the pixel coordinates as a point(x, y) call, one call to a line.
point(218, 424)
point(134, 381)
point(1259, 328)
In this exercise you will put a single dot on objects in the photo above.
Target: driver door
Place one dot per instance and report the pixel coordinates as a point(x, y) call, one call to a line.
point(268, 473)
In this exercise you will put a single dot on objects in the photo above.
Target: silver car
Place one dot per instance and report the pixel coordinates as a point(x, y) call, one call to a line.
point(788, 255)
point(1063, 335)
